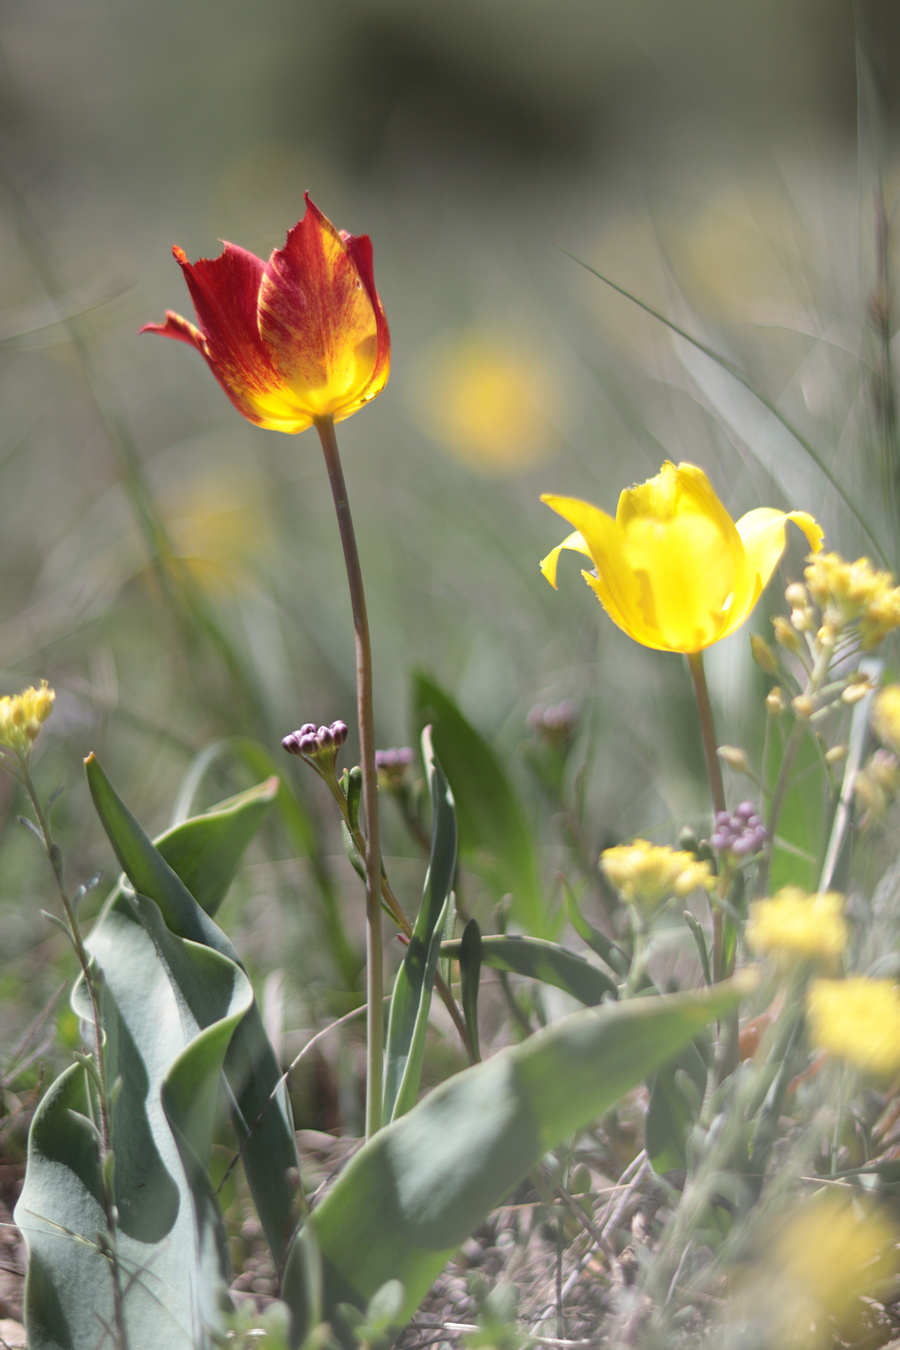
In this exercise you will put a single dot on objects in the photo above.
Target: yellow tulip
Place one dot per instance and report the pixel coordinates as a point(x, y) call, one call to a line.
point(673, 570)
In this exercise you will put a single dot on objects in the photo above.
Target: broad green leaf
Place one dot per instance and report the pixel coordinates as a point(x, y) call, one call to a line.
point(171, 1238)
point(411, 1000)
point(545, 961)
point(494, 834)
point(204, 851)
point(260, 1106)
point(416, 1190)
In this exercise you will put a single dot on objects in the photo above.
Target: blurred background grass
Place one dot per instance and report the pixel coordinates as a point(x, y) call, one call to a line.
point(176, 573)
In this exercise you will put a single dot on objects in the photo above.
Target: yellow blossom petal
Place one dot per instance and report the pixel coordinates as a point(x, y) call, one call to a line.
point(647, 874)
point(794, 926)
point(575, 542)
point(820, 1262)
point(21, 718)
point(858, 1020)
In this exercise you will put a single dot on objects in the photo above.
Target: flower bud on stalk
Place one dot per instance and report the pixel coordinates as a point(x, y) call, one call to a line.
point(318, 746)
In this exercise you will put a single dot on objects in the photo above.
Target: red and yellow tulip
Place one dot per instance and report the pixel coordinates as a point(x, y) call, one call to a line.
point(293, 341)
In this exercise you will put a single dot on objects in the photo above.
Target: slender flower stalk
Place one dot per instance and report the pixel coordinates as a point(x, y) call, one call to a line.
point(319, 747)
point(716, 787)
point(21, 718)
point(366, 723)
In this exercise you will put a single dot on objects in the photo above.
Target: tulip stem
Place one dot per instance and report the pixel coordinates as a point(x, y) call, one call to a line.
point(365, 717)
point(708, 730)
point(717, 789)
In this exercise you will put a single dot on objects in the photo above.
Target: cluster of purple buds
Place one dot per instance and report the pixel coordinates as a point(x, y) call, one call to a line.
point(554, 725)
point(739, 832)
point(317, 745)
point(392, 766)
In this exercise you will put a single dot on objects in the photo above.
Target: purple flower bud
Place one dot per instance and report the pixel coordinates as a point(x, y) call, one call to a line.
point(339, 732)
point(554, 725)
point(392, 765)
point(317, 745)
point(740, 832)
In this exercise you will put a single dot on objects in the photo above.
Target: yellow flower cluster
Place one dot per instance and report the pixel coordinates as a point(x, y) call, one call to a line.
point(849, 593)
point(646, 874)
point(828, 1255)
point(858, 1020)
point(21, 716)
point(794, 926)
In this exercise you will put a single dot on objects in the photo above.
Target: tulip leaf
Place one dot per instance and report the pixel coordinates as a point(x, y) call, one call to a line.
point(494, 834)
point(258, 1099)
point(419, 1187)
point(170, 1237)
point(411, 1001)
point(542, 960)
point(204, 851)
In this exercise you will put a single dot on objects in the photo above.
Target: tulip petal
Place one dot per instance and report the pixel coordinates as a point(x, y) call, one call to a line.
point(224, 291)
point(684, 550)
point(615, 586)
point(316, 315)
point(360, 249)
point(548, 565)
point(762, 534)
point(180, 329)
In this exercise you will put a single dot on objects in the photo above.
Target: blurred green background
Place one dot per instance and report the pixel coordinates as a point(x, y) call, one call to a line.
point(721, 161)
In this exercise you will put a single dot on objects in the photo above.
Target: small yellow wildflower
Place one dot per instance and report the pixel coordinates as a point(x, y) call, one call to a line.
point(849, 593)
point(886, 716)
point(647, 874)
point(793, 926)
point(762, 654)
point(776, 702)
point(785, 634)
point(858, 1020)
point(875, 786)
point(21, 716)
point(828, 1255)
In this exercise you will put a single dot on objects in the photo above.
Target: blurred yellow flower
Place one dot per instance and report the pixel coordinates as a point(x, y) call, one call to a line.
point(673, 570)
point(647, 874)
point(794, 926)
point(219, 528)
point(21, 717)
point(488, 403)
point(829, 1254)
point(849, 593)
point(886, 716)
point(875, 786)
point(858, 1020)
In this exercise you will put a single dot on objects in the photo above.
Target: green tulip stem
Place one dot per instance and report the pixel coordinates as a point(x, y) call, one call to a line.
point(717, 788)
point(708, 730)
point(365, 718)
